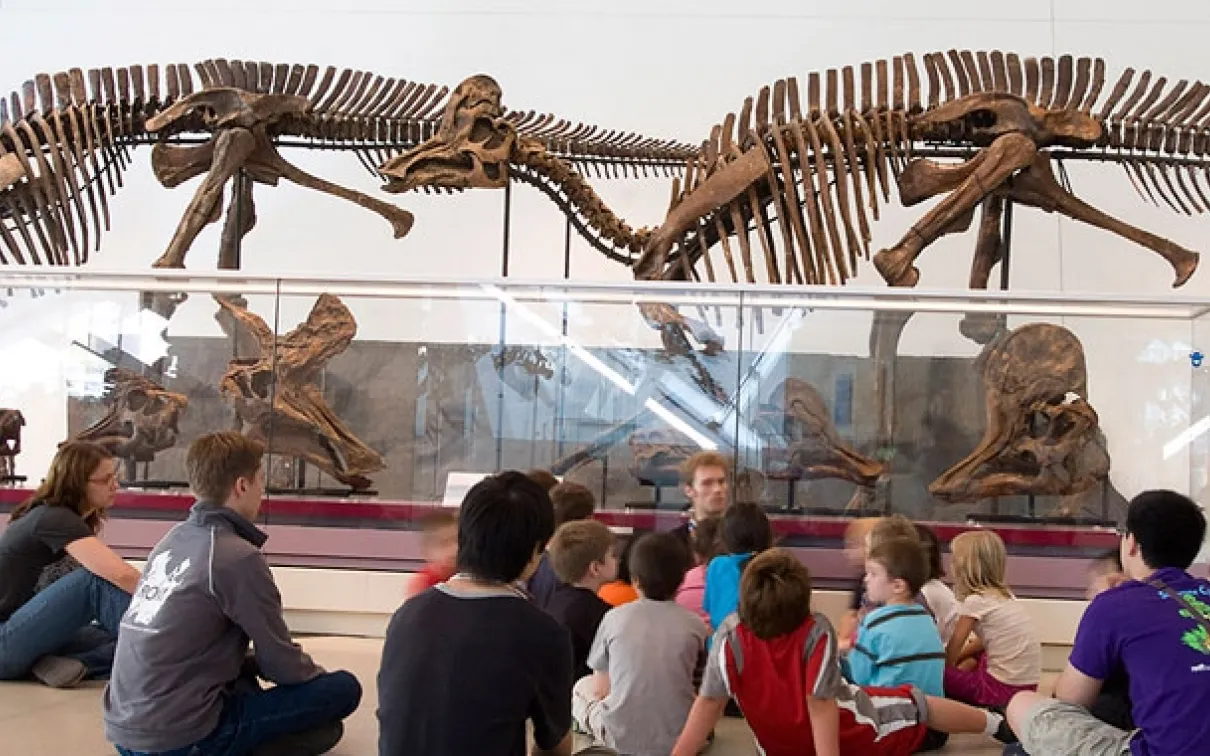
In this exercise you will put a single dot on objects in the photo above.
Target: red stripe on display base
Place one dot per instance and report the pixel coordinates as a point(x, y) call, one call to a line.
point(365, 511)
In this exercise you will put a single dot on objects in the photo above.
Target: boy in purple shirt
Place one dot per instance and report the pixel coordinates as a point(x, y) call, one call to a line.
point(1156, 628)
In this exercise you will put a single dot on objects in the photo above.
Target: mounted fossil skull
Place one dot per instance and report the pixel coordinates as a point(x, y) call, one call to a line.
point(471, 148)
point(11, 423)
point(814, 449)
point(142, 419)
point(275, 394)
point(1042, 434)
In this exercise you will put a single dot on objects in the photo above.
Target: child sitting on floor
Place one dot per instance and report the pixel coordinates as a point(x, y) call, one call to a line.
point(621, 591)
point(572, 502)
point(856, 538)
point(705, 540)
point(644, 658)
point(581, 554)
point(941, 600)
point(897, 643)
point(439, 540)
point(745, 533)
point(779, 662)
point(1113, 702)
point(1006, 652)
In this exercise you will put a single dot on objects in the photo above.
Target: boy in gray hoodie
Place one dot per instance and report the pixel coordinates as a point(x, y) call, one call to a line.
point(183, 681)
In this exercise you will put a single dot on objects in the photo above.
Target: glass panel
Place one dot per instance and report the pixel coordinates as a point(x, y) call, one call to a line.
point(830, 413)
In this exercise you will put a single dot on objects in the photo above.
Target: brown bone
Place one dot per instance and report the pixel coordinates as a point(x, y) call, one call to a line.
point(1033, 375)
point(276, 394)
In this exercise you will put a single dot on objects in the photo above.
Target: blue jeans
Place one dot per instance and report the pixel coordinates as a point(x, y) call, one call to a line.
point(252, 719)
point(59, 620)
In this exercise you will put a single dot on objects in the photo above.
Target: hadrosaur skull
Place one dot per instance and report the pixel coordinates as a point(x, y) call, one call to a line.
point(142, 419)
point(1042, 434)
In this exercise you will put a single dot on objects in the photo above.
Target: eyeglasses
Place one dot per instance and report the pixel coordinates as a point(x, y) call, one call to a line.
point(107, 480)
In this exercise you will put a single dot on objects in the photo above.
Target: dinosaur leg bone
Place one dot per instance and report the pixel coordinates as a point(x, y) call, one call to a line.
point(1007, 155)
point(1037, 187)
point(981, 328)
point(268, 158)
point(231, 151)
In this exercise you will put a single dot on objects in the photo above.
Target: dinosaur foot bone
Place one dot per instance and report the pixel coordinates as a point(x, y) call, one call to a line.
point(895, 265)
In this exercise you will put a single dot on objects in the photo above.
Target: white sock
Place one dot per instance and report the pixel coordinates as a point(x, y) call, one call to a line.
point(994, 721)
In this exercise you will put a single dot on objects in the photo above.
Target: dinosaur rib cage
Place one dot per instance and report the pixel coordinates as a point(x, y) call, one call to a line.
point(65, 139)
point(835, 153)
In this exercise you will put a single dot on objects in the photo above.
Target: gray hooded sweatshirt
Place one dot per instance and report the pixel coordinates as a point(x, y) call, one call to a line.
point(205, 593)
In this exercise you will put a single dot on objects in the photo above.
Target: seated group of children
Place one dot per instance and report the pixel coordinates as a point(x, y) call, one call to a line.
point(641, 666)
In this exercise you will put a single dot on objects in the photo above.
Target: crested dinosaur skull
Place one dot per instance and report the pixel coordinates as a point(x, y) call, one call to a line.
point(983, 117)
point(813, 447)
point(142, 419)
point(1042, 434)
point(470, 150)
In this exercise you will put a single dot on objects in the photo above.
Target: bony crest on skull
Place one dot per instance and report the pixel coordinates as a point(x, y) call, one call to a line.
point(157, 585)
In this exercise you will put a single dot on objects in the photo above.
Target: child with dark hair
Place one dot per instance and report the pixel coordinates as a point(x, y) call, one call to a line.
point(572, 502)
point(621, 591)
point(520, 658)
point(1154, 627)
point(779, 662)
point(705, 540)
point(1113, 702)
point(745, 533)
point(940, 598)
point(644, 658)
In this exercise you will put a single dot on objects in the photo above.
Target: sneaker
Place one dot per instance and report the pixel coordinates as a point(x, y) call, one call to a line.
point(59, 671)
point(309, 743)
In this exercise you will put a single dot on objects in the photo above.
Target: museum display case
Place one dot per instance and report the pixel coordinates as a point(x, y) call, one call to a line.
point(1039, 415)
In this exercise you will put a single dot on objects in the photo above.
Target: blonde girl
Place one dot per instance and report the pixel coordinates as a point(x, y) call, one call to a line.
point(1004, 656)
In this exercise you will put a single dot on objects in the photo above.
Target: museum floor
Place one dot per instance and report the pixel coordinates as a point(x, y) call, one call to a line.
point(38, 720)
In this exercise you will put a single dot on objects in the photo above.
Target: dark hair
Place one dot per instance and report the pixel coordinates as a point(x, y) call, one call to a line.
point(624, 558)
point(216, 461)
point(932, 551)
point(774, 594)
point(705, 538)
point(544, 478)
point(658, 565)
point(1110, 557)
point(572, 501)
point(504, 520)
point(746, 528)
point(66, 483)
point(1169, 528)
point(904, 560)
point(576, 545)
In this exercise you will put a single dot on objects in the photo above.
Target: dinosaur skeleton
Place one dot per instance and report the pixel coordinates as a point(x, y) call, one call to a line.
point(805, 175)
point(65, 142)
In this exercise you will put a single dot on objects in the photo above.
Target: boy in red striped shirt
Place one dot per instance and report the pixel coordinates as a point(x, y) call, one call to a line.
point(779, 662)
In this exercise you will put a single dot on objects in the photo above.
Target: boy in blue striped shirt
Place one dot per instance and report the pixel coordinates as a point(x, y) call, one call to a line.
point(897, 643)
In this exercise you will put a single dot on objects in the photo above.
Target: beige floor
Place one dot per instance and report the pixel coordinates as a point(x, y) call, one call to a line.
point(38, 720)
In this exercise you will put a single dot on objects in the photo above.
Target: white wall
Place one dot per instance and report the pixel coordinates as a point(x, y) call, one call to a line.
point(664, 68)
